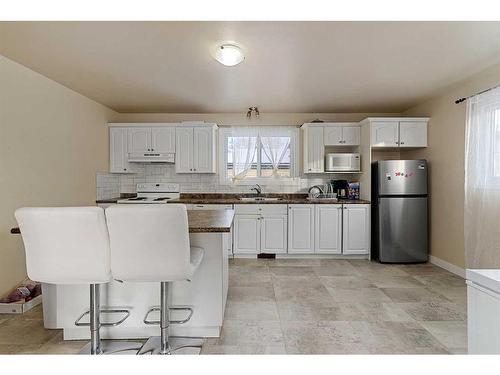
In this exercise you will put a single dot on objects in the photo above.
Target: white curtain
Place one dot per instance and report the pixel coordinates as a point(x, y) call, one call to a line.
point(482, 181)
point(275, 143)
point(244, 151)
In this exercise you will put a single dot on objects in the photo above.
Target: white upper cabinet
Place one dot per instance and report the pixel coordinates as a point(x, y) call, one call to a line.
point(398, 132)
point(342, 135)
point(158, 139)
point(163, 139)
point(314, 150)
point(385, 134)
point(195, 149)
point(351, 135)
point(413, 134)
point(333, 135)
point(356, 229)
point(203, 153)
point(184, 146)
point(328, 229)
point(118, 154)
point(139, 140)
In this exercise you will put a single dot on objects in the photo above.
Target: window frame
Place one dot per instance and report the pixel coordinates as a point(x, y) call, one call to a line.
point(226, 132)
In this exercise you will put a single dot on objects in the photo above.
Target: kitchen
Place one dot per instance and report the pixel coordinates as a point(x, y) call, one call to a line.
point(323, 229)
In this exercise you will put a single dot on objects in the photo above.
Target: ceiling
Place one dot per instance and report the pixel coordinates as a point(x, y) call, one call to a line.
point(289, 66)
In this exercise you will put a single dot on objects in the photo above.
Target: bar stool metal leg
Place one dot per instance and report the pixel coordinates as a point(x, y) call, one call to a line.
point(166, 344)
point(164, 319)
point(95, 323)
point(96, 346)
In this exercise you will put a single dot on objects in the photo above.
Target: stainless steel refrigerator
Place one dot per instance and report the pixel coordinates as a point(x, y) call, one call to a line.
point(399, 211)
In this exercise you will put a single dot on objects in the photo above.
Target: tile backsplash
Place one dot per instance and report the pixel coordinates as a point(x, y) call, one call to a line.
point(111, 185)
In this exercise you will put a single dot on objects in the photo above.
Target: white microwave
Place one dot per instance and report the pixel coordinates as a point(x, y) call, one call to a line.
point(337, 162)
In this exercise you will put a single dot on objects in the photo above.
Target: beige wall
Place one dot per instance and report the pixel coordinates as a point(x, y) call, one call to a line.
point(52, 142)
point(446, 157)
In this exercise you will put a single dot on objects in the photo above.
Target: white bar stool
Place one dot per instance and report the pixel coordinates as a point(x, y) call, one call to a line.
point(70, 245)
point(150, 243)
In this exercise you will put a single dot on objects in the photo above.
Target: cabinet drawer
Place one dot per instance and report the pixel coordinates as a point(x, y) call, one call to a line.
point(212, 206)
point(253, 209)
point(246, 209)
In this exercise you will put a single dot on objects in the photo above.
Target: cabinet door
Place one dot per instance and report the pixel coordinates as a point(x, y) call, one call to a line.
point(273, 230)
point(413, 134)
point(203, 160)
point(333, 135)
point(163, 139)
point(351, 135)
point(328, 229)
point(246, 234)
point(184, 150)
point(139, 140)
point(356, 229)
point(301, 228)
point(118, 156)
point(385, 134)
point(315, 150)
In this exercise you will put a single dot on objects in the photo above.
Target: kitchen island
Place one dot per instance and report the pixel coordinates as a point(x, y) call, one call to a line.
point(206, 293)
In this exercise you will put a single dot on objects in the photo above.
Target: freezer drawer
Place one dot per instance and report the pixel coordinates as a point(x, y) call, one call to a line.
point(403, 236)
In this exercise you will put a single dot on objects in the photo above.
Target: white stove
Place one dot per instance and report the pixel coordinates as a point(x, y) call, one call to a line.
point(153, 193)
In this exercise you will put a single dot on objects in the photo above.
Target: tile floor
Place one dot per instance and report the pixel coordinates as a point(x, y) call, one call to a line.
point(311, 306)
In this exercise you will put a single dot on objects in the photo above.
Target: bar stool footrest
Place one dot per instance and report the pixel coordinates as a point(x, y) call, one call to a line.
point(105, 311)
point(156, 322)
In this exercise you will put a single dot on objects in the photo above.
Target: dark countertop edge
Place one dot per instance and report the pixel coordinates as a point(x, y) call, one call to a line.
point(284, 201)
point(112, 200)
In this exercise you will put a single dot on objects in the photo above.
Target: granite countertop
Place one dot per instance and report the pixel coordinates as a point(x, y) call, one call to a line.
point(214, 198)
point(200, 221)
point(233, 198)
point(209, 221)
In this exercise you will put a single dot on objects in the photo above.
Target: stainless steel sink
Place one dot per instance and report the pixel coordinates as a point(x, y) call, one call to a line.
point(260, 199)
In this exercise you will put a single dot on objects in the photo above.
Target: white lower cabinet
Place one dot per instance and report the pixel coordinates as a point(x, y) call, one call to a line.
point(273, 234)
point(304, 229)
point(246, 234)
point(300, 228)
point(356, 229)
point(260, 228)
point(328, 229)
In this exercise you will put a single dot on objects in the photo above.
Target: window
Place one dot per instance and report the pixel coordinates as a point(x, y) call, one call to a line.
point(260, 154)
point(482, 142)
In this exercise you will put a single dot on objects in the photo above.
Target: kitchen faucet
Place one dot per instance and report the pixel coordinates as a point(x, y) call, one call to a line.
point(257, 189)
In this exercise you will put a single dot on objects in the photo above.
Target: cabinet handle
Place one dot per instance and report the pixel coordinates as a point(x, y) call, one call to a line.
point(402, 143)
point(397, 143)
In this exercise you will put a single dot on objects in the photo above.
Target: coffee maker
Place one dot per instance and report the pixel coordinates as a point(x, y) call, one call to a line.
point(341, 187)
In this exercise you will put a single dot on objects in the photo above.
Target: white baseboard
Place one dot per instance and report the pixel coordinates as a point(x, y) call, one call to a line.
point(447, 266)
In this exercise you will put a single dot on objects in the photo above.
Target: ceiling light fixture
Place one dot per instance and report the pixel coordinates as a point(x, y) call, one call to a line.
point(229, 55)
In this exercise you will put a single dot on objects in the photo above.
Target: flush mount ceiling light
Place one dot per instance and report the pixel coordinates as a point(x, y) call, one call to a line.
point(229, 55)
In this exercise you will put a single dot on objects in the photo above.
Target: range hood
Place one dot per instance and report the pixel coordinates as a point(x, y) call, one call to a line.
point(151, 157)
